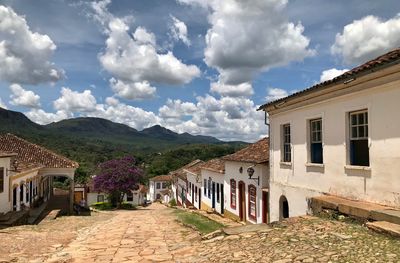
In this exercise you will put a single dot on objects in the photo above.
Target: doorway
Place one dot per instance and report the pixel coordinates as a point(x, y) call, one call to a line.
point(222, 198)
point(242, 201)
point(265, 207)
point(15, 198)
point(283, 208)
point(200, 198)
point(213, 195)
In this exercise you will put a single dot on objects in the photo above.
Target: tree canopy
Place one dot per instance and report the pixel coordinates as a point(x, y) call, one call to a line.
point(117, 177)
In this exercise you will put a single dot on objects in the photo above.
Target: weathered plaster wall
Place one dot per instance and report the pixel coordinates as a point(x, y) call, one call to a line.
point(217, 178)
point(5, 204)
point(380, 183)
point(232, 172)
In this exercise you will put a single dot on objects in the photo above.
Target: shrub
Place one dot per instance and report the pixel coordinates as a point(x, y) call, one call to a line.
point(172, 202)
point(102, 206)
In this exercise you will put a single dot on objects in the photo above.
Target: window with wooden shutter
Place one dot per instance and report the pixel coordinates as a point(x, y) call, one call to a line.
point(252, 202)
point(233, 194)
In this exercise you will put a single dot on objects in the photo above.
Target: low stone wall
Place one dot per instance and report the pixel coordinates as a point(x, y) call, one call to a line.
point(231, 216)
point(205, 207)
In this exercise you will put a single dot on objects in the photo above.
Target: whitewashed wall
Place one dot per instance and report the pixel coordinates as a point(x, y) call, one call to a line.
point(5, 204)
point(232, 172)
point(192, 179)
point(181, 185)
point(153, 191)
point(380, 183)
point(218, 178)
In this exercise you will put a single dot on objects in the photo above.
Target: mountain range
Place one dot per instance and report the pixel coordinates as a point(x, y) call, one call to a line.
point(92, 140)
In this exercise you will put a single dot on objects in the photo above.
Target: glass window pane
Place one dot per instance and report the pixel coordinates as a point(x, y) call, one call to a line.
point(361, 132)
point(354, 132)
point(361, 118)
point(353, 119)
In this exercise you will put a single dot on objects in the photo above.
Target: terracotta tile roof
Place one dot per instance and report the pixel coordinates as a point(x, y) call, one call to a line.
point(161, 178)
point(255, 153)
point(216, 165)
point(181, 171)
point(195, 169)
point(142, 189)
point(32, 154)
point(392, 57)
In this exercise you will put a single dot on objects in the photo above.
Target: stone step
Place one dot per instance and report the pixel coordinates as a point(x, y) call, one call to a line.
point(236, 230)
point(355, 208)
point(385, 227)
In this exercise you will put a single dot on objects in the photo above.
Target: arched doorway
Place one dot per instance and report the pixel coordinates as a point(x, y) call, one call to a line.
point(283, 208)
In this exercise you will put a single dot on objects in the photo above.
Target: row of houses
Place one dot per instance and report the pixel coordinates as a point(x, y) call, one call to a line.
point(340, 137)
point(235, 185)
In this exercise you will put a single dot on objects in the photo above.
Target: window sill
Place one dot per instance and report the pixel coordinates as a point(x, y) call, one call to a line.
point(319, 165)
point(358, 168)
point(286, 163)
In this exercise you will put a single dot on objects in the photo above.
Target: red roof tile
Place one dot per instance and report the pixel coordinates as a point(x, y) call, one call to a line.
point(161, 178)
point(216, 165)
point(383, 60)
point(196, 168)
point(255, 153)
point(31, 154)
point(181, 171)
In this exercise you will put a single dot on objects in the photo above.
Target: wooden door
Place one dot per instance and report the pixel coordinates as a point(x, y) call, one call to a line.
point(265, 207)
point(242, 201)
point(78, 196)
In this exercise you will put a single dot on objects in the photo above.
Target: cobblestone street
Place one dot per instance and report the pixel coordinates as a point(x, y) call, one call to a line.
point(153, 235)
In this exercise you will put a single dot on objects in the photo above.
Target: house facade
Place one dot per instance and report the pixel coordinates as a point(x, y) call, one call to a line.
point(134, 197)
point(158, 184)
point(340, 137)
point(212, 186)
point(26, 174)
point(246, 183)
point(193, 178)
point(179, 184)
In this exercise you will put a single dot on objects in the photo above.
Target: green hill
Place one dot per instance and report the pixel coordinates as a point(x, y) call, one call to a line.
point(93, 140)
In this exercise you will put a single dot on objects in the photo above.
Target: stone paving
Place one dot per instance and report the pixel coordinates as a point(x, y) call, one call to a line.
point(153, 235)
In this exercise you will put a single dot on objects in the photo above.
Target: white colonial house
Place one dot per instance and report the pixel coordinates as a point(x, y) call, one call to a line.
point(91, 196)
point(212, 190)
point(26, 174)
point(193, 177)
point(246, 183)
point(340, 137)
point(158, 184)
point(179, 185)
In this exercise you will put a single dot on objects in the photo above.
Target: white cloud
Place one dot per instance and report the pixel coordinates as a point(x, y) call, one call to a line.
point(122, 113)
point(2, 104)
point(275, 94)
point(134, 58)
point(42, 117)
point(226, 118)
point(24, 55)
point(366, 39)
point(179, 31)
point(176, 109)
point(248, 37)
point(243, 89)
point(132, 90)
point(331, 73)
point(73, 101)
point(22, 97)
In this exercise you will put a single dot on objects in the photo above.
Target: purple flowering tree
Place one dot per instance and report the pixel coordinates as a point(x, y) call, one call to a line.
point(117, 177)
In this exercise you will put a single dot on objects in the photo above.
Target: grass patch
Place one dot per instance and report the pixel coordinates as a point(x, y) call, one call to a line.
point(199, 222)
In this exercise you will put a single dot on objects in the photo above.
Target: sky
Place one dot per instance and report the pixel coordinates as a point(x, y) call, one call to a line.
point(197, 66)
